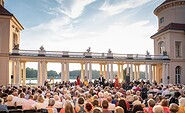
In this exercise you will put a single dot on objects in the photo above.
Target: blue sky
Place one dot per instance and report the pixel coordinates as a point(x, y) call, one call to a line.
point(124, 26)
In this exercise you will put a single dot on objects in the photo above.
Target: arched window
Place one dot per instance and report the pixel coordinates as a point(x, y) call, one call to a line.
point(178, 75)
point(15, 40)
point(161, 47)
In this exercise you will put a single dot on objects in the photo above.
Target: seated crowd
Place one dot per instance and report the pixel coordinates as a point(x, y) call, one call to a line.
point(135, 97)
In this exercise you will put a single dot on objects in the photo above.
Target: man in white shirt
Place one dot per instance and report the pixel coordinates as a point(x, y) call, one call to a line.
point(28, 105)
point(21, 100)
point(111, 106)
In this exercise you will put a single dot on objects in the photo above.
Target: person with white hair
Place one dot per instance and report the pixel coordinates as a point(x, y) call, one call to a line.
point(105, 94)
point(9, 102)
point(111, 105)
point(129, 96)
point(158, 109)
point(58, 103)
point(136, 100)
point(181, 105)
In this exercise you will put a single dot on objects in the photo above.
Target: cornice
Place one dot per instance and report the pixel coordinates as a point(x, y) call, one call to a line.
point(168, 5)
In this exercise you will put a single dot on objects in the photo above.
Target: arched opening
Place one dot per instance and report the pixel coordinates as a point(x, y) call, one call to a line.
point(15, 40)
point(178, 70)
point(161, 47)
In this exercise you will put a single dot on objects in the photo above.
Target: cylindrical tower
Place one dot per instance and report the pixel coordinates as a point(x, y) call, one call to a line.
point(170, 11)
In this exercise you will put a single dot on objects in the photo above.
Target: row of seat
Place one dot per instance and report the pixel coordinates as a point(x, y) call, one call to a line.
point(27, 111)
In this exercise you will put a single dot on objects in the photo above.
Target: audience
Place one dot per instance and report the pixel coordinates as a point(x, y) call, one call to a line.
point(66, 97)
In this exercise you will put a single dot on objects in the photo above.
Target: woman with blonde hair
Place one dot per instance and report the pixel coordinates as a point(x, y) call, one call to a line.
point(158, 109)
point(40, 103)
point(119, 109)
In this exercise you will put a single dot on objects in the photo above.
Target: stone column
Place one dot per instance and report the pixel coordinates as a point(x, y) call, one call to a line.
point(108, 73)
point(135, 72)
point(153, 73)
point(163, 74)
point(167, 81)
point(24, 73)
point(44, 71)
point(131, 72)
point(62, 72)
point(111, 71)
point(18, 73)
point(122, 71)
point(82, 72)
point(146, 71)
point(39, 74)
point(127, 73)
point(138, 72)
point(118, 72)
point(104, 72)
point(13, 72)
point(86, 70)
point(101, 69)
point(90, 71)
point(67, 71)
point(150, 73)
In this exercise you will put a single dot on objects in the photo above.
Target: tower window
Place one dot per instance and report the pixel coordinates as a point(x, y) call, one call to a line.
point(161, 47)
point(178, 75)
point(178, 49)
point(161, 20)
point(15, 40)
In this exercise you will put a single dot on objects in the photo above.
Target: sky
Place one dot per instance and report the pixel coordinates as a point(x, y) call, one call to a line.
point(124, 26)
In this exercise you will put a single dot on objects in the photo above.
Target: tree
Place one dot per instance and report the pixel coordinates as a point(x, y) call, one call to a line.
point(31, 73)
point(53, 73)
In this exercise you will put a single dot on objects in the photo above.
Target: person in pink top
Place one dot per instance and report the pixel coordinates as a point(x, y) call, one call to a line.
point(28, 105)
point(78, 80)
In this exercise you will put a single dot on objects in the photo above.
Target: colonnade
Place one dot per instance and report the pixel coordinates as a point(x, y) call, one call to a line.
point(18, 72)
point(106, 69)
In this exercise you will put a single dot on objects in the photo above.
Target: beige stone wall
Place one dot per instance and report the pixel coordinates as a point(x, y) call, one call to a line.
point(8, 27)
point(4, 34)
point(4, 71)
point(172, 67)
point(176, 36)
point(172, 15)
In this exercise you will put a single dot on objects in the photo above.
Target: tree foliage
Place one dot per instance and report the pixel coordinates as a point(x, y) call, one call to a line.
point(32, 73)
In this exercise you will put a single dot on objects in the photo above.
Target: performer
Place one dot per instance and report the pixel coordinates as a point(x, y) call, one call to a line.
point(101, 80)
point(116, 83)
point(86, 81)
point(78, 80)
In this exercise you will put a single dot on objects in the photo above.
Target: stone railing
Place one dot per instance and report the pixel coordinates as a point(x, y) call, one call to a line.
point(88, 55)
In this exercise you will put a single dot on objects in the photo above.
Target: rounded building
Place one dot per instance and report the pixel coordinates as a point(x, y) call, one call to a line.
point(170, 38)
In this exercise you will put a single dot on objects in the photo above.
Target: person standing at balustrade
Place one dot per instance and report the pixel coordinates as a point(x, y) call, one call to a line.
point(116, 83)
point(78, 80)
point(101, 80)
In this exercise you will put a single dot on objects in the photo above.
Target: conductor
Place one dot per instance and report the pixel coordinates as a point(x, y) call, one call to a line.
point(101, 80)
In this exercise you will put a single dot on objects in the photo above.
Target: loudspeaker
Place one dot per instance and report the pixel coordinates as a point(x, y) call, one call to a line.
point(11, 76)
